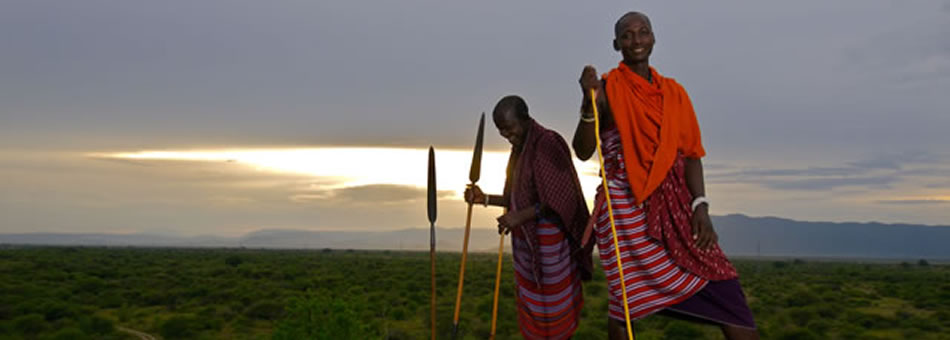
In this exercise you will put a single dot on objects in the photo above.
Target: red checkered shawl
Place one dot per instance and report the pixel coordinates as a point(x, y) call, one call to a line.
point(544, 174)
point(668, 221)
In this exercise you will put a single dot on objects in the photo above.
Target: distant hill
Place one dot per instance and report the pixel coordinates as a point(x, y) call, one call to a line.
point(115, 240)
point(770, 236)
point(739, 235)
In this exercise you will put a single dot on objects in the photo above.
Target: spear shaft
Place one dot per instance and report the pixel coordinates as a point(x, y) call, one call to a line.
point(473, 176)
point(432, 201)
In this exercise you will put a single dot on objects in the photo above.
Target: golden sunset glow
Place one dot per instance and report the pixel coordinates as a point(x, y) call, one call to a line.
point(359, 166)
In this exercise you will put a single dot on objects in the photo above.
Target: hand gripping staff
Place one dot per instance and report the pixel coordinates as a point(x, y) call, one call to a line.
point(473, 176)
point(432, 200)
point(610, 213)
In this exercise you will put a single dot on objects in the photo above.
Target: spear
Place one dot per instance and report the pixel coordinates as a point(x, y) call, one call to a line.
point(432, 199)
point(610, 213)
point(473, 176)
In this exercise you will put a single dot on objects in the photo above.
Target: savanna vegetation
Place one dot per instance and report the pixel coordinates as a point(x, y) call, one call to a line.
point(102, 293)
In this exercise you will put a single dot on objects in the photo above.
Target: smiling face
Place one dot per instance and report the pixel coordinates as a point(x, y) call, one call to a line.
point(511, 118)
point(634, 38)
point(510, 127)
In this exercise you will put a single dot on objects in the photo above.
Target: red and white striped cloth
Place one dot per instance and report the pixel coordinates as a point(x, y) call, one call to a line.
point(551, 309)
point(653, 280)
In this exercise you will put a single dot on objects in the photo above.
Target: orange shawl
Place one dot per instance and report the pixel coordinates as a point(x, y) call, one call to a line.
point(656, 122)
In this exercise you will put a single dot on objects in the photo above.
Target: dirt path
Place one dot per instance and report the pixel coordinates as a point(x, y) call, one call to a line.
point(141, 335)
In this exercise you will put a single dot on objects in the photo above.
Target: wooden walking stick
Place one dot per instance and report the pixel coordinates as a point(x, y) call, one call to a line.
point(473, 176)
point(432, 200)
point(610, 213)
point(494, 308)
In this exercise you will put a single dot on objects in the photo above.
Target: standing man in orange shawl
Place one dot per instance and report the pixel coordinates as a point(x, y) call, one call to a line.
point(652, 149)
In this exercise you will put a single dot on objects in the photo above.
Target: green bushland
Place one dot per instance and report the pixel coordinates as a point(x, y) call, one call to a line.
point(89, 293)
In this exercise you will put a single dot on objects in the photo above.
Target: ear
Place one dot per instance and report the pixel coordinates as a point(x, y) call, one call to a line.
point(616, 46)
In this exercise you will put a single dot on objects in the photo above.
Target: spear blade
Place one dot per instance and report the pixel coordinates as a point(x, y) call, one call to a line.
point(476, 171)
point(432, 199)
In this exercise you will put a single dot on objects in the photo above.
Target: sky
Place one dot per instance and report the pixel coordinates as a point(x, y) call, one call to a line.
point(222, 117)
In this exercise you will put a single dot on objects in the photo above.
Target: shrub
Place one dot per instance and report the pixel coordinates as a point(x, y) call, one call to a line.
point(110, 299)
point(69, 334)
point(90, 284)
point(820, 326)
point(682, 331)
point(233, 261)
point(802, 315)
point(868, 321)
point(179, 326)
point(801, 297)
point(54, 310)
point(320, 316)
point(595, 289)
point(398, 313)
point(265, 310)
point(96, 325)
point(797, 334)
point(29, 324)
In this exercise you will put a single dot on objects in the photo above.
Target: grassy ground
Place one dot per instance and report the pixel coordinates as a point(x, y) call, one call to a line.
point(71, 293)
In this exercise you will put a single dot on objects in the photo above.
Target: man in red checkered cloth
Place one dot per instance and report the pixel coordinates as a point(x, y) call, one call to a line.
point(546, 215)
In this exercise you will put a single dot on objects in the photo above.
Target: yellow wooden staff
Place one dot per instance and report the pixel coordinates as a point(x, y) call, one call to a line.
point(610, 213)
point(494, 308)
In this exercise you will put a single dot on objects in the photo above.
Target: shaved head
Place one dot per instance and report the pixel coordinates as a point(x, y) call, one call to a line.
point(511, 107)
point(618, 27)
